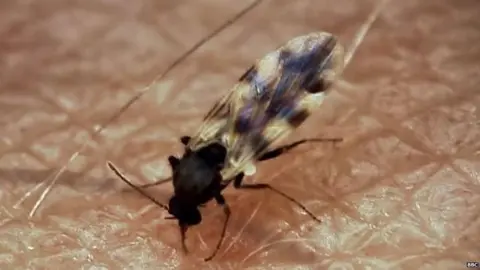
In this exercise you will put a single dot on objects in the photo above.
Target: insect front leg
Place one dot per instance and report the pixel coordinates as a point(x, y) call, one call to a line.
point(183, 232)
point(226, 209)
point(237, 183)
point(285, 148)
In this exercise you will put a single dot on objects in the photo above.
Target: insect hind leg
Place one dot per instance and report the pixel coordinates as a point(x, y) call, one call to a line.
point(285, 148)
point(237, 183)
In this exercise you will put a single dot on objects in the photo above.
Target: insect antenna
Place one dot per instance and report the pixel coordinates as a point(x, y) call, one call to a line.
point(156, 183)
point(51, 180)
point(138, 189)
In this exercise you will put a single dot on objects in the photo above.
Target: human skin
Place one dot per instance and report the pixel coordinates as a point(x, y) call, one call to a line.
point(402, 191)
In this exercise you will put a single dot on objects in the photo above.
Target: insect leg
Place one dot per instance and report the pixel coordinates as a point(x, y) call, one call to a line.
point(226, 209)
point(237, 183)
point(183, 231)
point(283, 149)
point(185, 140)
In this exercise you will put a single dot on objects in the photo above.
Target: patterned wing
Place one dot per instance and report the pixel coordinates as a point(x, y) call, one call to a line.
point(273, 98)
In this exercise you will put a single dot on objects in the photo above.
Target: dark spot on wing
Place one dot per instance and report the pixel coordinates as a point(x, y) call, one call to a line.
point(244, 122)
point(313, 59)
point(250, 74)
point(280, 108)
point(297, 63)
point(313, 84)
point(326, 49)
point(285, 54)
point(257, 85)
point(242, 125)
point(273, 109)
point(298, 117)
point(259, 142)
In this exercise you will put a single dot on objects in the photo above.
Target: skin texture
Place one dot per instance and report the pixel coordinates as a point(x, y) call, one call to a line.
point(400, 192)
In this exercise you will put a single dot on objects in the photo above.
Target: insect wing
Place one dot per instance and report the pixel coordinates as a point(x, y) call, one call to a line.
point(278, 94)
point(273, 97)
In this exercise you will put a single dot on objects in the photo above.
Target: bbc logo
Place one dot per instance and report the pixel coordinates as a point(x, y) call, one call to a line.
point(473, 264)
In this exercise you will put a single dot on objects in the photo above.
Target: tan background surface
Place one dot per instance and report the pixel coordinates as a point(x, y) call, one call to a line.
point(401, 192)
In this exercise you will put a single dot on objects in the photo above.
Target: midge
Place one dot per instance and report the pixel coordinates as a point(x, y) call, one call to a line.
point(271, 99)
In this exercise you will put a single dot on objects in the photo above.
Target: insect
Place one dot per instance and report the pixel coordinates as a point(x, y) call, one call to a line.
point(270, 100)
